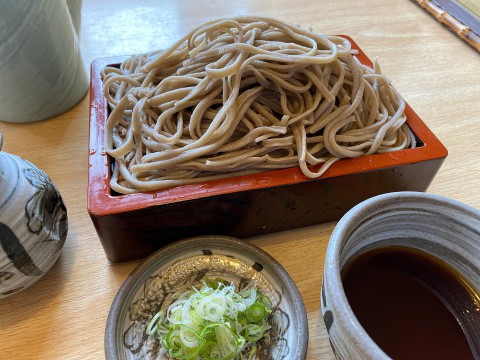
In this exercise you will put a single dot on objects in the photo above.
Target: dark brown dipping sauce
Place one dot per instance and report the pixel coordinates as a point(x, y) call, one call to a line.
point(413, 305)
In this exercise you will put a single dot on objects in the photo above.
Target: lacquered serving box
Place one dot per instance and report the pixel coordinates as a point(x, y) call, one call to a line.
point(133, 226)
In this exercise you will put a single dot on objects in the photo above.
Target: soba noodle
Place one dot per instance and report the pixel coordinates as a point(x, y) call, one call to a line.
point(243, 95)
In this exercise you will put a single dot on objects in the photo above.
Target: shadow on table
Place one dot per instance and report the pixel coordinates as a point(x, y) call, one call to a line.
point(25, 304)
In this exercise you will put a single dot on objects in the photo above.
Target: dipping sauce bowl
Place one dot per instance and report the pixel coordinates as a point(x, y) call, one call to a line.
point(445, 232)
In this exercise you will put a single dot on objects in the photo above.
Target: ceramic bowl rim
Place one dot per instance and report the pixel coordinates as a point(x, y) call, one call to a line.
point(130, 285)
point(343, 311)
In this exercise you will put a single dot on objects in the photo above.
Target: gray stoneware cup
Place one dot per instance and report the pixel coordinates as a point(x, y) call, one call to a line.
point(443, 227)
point(41, 69)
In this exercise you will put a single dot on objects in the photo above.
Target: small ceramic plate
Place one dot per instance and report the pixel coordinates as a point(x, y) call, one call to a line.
point(151, 285)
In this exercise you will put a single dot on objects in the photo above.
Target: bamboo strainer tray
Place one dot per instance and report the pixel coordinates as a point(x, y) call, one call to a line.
point(462, 17)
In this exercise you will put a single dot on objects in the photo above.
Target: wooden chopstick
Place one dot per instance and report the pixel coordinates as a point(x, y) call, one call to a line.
point(462, 31)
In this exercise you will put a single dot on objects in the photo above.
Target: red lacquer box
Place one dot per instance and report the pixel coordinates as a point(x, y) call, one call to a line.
point(133, 226)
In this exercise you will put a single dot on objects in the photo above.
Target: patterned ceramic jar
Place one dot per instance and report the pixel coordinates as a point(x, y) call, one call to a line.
point(444, 228)
point(33, 223)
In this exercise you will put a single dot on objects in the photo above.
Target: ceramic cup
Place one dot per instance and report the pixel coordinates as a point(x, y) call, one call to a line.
point(445, 228)
point(41, 69)
point(33, 223)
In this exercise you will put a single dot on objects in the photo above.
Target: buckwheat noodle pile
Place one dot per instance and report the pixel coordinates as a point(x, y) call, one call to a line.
point(243, 95)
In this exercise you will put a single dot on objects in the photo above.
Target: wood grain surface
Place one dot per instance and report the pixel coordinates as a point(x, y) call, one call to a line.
point(63, 315)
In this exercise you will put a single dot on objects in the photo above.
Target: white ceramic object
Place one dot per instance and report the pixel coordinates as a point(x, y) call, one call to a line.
point(41, 69)
point(440, 226)
point(33, 223)
point(75, 10)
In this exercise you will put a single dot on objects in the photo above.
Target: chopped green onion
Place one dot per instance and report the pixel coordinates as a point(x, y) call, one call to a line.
point(153, 325)
point(255, 313)
point(253, 332)
point(265, 300)
point(213, 323)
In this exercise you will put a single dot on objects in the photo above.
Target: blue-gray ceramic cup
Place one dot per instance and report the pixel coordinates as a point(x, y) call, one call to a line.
point(41, 69)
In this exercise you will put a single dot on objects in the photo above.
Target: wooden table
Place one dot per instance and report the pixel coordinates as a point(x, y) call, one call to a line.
point(63, 315)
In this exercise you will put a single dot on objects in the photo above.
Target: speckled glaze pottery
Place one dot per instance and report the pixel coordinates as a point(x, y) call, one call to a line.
point(186, 263)
point(33, 223)
point(440, 226)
